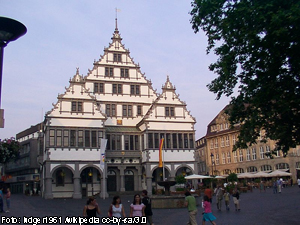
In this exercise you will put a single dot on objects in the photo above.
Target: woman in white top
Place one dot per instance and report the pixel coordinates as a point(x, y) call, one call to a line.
point(116, 209)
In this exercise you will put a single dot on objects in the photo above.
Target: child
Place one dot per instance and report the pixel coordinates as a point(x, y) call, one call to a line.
point(226, 198)
point(207, 215)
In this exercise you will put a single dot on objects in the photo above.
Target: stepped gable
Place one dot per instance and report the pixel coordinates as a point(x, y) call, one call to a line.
point(169, 98)
point(75, 92)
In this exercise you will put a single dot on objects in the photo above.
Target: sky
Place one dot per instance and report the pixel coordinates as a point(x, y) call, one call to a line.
point(64, 35)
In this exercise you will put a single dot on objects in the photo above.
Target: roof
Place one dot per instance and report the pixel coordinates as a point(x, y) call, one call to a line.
point(119, 129)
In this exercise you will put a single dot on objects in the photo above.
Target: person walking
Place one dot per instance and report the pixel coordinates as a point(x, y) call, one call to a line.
point(1, 200)
point(148, 210)
point(219, 196)
point(226, 199)
point(209, 193)
point(91, 209)
point(207, 215)
point(7, 196)
point(236, 199)
point(116, 209)
point(279, 185)
point(298, 182)
point(137, 208)
point(190, 203)
point(262, 186)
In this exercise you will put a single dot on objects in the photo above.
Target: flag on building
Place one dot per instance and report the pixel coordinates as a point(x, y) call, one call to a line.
point(160, 164)
point(102, 152)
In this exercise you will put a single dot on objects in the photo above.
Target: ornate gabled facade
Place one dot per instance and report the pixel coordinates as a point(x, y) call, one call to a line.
point(115, 101)
point(220, 159)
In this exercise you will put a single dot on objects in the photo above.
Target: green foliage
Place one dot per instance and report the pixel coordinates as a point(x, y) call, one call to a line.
point(9, 150)
point(257, 43)
point(232, 177)
point(180, 179)
point(179, 189)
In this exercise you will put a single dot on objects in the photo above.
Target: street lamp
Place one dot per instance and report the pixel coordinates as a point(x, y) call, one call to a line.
point(10, 30)
point(212, 163)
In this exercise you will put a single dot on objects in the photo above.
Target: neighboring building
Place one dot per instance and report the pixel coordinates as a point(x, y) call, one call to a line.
point(23, 174)
point(201, 156)
point(220, 159)
point(117, 102)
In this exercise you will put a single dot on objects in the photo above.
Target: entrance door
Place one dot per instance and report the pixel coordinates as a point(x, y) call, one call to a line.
point(129, 180)
point(111, 181)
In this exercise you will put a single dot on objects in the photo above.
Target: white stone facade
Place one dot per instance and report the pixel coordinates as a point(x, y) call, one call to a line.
point(115, 101)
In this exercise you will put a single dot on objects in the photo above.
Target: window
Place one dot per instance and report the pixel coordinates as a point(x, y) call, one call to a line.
point(127, 110)
point(52, 137)
point(222, 141)
point(80, 138)
point(266, 168)
point(150, 140)
point(211, 144)
point(110, 110)
point(168, 140)
point(117, 57)
point(180, 143)
point(216, 143)
point(135, 89)
point(282, 166)
point(217, 159)
point(124, 73)
point(251, 169)
point(58, 138)
point(139, 110)
point(186, 143)
point(228, 157)
point(248, 155)
point(223, 158)
point(169, 111)
point(156, 140)
point(174, 138)
point(191, 140)
point(227, 140)
point(241, 157)
point(117, 89)
point(262, 153)
point(233, 139)
point(268, 151)
point(107, 110)
point(98, 88)
point(87, 138)
point(109, 71)
point(253, 153)
point(239, 170)
point(94, 138)
point(76, 106)
point(235, 156)
point(66, 138)
point(72, 138)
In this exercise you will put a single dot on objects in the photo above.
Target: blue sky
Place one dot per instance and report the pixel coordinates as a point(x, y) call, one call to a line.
point(63, 35)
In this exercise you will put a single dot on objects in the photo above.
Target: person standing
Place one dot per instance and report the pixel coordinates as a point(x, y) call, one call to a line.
point(148, 210)
point(137, 208)
point(298, 182)
point(208, 192)
point(226, 199)
point(190, 203)
point(274, 187)
point(236, 199)
point(262, 186)
point(1, 200)
point(91, 209)
point(7, 196)
point(219, 196)
point(207, 215)
point(279, 185)
point(116, 209)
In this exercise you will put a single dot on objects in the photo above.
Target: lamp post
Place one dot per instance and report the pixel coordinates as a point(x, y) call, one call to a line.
point(212, 163)
point(10, 30)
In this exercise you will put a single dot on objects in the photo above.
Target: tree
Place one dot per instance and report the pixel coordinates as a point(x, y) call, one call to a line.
point(258, 65)
point(232, 177)
point(9, 150)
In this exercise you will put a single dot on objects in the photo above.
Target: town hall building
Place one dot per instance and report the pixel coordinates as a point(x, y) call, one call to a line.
point(115, 101)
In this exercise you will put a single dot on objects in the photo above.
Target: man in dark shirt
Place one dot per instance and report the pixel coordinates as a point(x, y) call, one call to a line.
point(148, 210)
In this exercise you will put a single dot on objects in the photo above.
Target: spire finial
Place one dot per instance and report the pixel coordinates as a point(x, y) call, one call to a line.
point(117, 10)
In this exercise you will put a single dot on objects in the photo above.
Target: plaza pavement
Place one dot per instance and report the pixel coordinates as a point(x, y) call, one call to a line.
point(256, 208)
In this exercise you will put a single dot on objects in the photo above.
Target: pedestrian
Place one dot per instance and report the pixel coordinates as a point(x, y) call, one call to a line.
point(208, 192)
point(190, 203)
point(7, 196)
point(148, 210)
point(262, 186)
point(116, 209)
point(1, 200)
point(298, 182)
point(207, 215)
point(279, 185)
point(219, 196)
point(137, 208)
point(291, 182)
point(274, 187)
point(236, 199)
point(226, 199)
point(91, 209)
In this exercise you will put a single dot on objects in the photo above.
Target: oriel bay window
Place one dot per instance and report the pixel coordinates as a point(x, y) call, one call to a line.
point(171, 140)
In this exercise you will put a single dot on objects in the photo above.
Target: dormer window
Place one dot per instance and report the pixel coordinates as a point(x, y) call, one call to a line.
point(117, 57)
point(76, 106)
